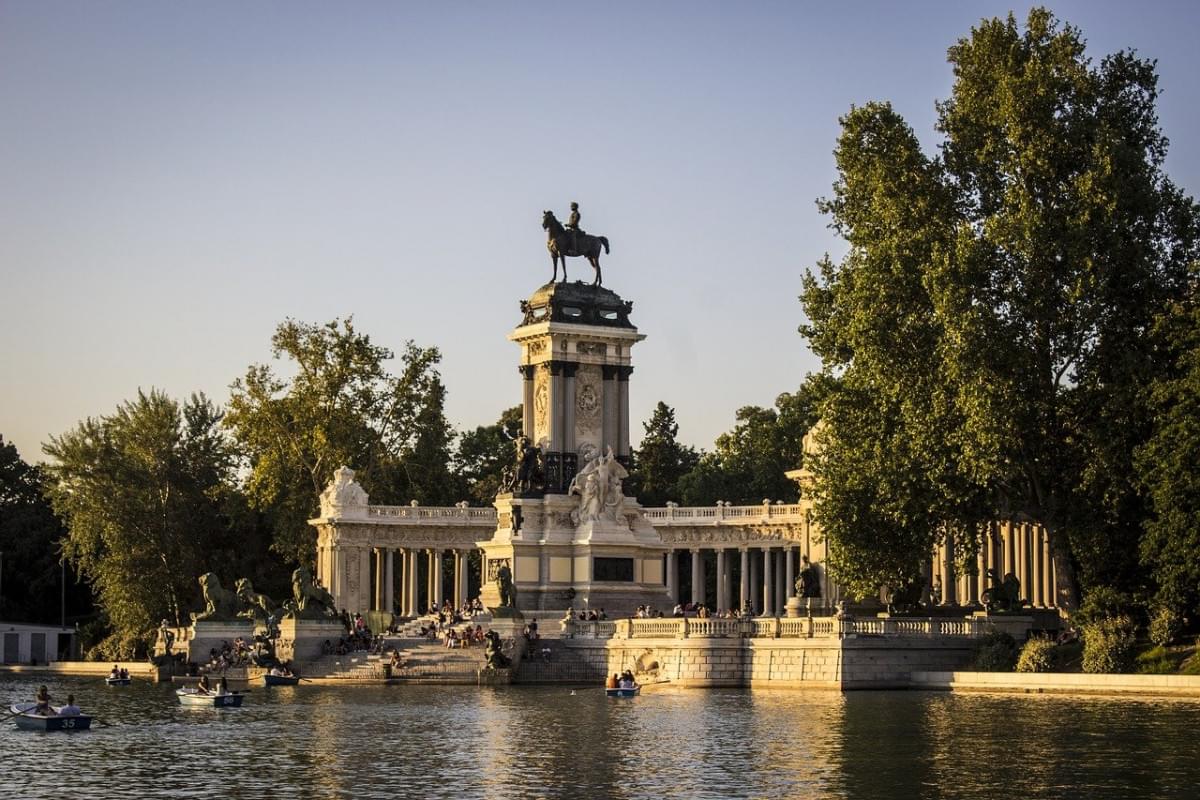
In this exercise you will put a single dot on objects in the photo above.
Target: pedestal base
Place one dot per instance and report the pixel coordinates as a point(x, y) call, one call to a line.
point(206, 636)
point(303, 639)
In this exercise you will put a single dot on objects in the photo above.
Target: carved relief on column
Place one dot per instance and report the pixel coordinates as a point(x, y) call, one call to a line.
point(589, 410)
point(541, 406)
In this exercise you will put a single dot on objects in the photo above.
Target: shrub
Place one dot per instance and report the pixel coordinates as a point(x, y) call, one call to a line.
point(1101, 603)
point(1108, 644)
point(996, 653)
point(1165, 626)
point(1036, 656)
point(1158, 661)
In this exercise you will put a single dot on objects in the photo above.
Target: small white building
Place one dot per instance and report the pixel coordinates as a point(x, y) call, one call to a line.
point(35, 644)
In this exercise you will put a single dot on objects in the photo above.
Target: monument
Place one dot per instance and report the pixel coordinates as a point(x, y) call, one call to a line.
point(566, 533)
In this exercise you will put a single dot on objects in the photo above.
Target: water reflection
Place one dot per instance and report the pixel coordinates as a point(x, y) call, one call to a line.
point(429, 741)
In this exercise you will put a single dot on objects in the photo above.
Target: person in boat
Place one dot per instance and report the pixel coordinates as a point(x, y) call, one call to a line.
point(70, 709)
point(42, 699)
point(626, 681)
point(116, 672)
point(222, 686)
point(612, 682)
point(203, 687)
point(124, 674)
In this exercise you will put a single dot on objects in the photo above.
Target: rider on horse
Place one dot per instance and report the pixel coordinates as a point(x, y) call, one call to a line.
point(573, 226)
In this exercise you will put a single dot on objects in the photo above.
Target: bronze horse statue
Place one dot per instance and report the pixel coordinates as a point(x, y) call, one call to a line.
point(559, 242)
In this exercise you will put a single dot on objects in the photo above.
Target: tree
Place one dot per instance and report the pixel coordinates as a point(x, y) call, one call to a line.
point(661, 461)
point(142, 493)
point(1168, 464)
point(30, 547)
point(342, 407)
point(749, 463)
point(485, 454)
point(978, 316)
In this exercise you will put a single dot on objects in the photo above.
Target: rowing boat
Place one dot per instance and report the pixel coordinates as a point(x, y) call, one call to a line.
point(195, 697)
point(27, 720)
point(118, 681)
point(280, 680)
point(619, 692)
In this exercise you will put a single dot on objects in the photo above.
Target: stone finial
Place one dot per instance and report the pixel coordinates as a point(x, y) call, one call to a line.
point(344, 497)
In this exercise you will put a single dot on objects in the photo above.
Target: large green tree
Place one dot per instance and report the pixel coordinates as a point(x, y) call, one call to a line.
point(749, 463)
point(485, 454)
point(988, 320)
point(31, 576)
point(1168, 463)
point(660, 461)
point(143, 493)
point(341, 406)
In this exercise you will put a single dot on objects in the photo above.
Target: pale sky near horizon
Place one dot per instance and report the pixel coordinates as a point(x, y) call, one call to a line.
point(178, 178)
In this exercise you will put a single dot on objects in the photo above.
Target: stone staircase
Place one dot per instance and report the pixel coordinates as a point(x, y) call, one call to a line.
point(355, 667)
point(424, 661)
point(551, 661)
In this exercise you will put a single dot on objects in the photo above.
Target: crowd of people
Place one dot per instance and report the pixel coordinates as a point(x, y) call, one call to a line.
point(701, 611)
point(228, 655)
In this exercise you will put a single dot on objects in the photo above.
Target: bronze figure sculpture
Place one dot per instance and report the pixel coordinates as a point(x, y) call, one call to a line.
point(562, 243)
point(220, 604)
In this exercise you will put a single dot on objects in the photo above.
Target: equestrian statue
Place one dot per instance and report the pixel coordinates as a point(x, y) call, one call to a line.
point(570, 240)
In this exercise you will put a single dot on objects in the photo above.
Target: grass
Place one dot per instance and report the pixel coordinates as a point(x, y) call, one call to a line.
point(1173, 660)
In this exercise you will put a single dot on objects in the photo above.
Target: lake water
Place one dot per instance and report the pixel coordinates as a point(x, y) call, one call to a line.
point(450, 742)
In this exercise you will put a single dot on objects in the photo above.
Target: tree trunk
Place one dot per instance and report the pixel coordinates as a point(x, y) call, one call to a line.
point(1066, 583)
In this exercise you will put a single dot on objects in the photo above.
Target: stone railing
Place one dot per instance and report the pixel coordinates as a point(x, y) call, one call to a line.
point(773, 628)
point(723, 514)
point(439, 514)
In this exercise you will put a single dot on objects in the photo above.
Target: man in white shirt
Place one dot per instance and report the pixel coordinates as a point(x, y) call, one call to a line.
point(70, 709)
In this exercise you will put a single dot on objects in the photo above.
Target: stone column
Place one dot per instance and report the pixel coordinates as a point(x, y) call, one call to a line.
point(609, 419)
point(364, 580)
point(527, 400)
point(766, 583)
point(949, 589)
point(789, 579)
point(1022, 558)
point(1009, 541)
point(568, 434)
point(722, 599)
point(377, 594)
point(622, 448)
point(437, 578)
point(755, 579)
point(973, 583)
point(460, 574)
point(697, 575)
point(780, 588)
point(1047, 571)
point(389, 582)
point(402, 599)
point(673, 576)
point(414, 567)
point(1030, 585)
point(744, 598)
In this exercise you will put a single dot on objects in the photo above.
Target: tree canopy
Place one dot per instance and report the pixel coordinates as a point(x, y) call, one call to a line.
point(340, 407)
point(660, 461)
point(988, 324)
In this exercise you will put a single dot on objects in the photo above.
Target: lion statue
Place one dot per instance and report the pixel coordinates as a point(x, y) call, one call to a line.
point(220, 604)
point(255, 606)
point(309, 601)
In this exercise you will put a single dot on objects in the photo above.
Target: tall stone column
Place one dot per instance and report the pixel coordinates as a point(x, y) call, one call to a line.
point(527, 426)
point(949, 579)
point(460, 594)
point(437, 578)
point(744, 598)
point(377, 595)
point(610, 426)
point(1047, 571)
point(389, 582)
point(973, 582)
point(622, 448)
point(780, 587)
point(414, 570)
point(722, 599)
point(767, 588)
point(402, 568)
point(1010, 548)
point(673, 575)
point(697, 575)
point(568, 433)
point(1022, 557)
point(755, 580)
point(789, 580)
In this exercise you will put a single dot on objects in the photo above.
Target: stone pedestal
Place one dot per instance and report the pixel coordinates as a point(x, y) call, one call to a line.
point(1017, 626)
point(303, 639)
point(559, 561)
point(205, 635)
point(795, 607)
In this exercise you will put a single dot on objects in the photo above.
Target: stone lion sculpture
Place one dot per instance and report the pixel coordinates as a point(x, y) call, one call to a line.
point(309, 601)
point(255, 606)
point(220, 604)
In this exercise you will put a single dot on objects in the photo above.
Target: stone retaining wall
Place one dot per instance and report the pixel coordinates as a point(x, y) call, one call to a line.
point(1057, 683)
point(851, 663)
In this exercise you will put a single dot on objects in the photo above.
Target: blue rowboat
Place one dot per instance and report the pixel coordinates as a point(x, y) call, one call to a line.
point(634, 692)
point(280, 680)
point(195, 697)
point(27, 720)
point(118, 681)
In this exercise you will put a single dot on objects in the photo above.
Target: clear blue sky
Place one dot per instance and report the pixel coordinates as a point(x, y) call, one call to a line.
point(177, 178)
